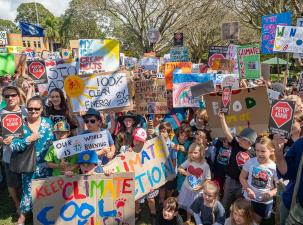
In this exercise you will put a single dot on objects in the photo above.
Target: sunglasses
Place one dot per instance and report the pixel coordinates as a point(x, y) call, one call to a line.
point(90, 121)
point(33, 109)
point(12, 95)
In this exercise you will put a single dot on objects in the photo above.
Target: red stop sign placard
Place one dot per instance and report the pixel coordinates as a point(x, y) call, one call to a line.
point(281, 113)
point(12, 122)
point(226, 96)
point(37, 69)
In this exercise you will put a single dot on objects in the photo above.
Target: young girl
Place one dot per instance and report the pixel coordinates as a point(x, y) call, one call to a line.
point(197, 172)
point(207, 209)
point(258, 178)
point(241, 213)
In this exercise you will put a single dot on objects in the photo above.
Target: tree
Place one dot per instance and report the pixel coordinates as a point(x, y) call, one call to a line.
point(8, 26)
point(52, 27)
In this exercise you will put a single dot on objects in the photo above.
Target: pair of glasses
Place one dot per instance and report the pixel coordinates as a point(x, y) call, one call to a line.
point(12, 95)
point(90, 121)
point(33, 109)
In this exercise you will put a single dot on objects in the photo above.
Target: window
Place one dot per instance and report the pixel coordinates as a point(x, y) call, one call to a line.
point(24, 43)
point(39, 44)
point(35, 44)
point(28, 43)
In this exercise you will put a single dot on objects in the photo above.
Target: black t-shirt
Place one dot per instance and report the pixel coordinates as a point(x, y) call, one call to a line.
point(221, 161)
point(59, 115)
point(177, 220)
point(237, 159)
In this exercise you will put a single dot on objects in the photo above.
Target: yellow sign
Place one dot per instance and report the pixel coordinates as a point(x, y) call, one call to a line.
point(74, 86)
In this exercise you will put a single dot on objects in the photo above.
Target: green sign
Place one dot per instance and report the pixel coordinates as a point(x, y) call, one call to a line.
point(249, 61)
point(7, 64)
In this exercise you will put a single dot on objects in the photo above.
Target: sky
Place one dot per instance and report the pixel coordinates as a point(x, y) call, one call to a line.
point(8, 9)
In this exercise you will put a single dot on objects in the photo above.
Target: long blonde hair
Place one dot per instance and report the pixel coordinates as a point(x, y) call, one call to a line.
point(201, 148)
point(243, 206)
point(263, 139)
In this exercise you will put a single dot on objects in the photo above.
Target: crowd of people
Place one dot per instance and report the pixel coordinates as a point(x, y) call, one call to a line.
point(232, 180)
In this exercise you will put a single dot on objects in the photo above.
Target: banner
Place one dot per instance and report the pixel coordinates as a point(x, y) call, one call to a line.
point(76, 144)
point(37, 71)
point(31, 30)
point(94, 199)
point(7, 64)
point(179, 54)
point(150, 63)
point(3, 38)
point(216, 52)
point(269, 25)
point(249, 61)
point(11, 125)
point(152, 166)
point(103, 91)
point(151, 97)
point(289, 39)
point(98, 56)
point(182, 96)
point(230, 30)
point(248, 108)
point(185, 67)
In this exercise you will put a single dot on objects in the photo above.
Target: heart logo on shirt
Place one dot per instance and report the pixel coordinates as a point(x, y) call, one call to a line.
point(197, 172)
point(194, 181)
point(241, 158)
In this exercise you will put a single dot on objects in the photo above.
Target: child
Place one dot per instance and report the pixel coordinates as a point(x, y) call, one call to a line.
point(207, 209)
point(197, 172)
point(170, 215)
point(258, 178)
point(60, 166)
point(241, 213)
point(88, 161)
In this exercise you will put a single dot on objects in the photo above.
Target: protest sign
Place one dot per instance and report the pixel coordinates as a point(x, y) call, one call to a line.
point(226, 65)
point(153, 35)
point(76, 144)
point(299, 24)
point(300, 83)
point(130, 62)
point(265, 71)
point(94, 199)
point(3, 38)
point(37, 71)
point(7, 64)
point(281, 117)
point(101, 92)
point(185, 67)
point(230, 30)
point(203, 88)
point(3, 50)
point(47, 55)
point(14, 49)
point(152, 166)
point(289, 39)
point(230, 80)
point(216, 52)
point(151, 97)
point(98, 56)
point(12, 125)
point(65, 53)
point(269, 24)
point(57, 72)
point(249, 61)
point(232, 54)
point(178, 39)
point(150, 63)
point(30, 54)
point(182, 83)
point(272, 95)
point(179, 54)
point(249, 108)
point(226, 99)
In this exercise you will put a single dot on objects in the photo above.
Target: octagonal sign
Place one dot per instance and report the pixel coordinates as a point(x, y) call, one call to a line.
point(281, 113)
point(12, 122)
point(36, 69)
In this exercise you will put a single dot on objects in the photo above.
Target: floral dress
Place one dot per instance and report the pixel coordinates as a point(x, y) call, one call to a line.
point(41, 146)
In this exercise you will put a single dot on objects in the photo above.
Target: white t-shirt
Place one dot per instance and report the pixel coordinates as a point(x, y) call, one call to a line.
point(199, 172)
point(261, 178)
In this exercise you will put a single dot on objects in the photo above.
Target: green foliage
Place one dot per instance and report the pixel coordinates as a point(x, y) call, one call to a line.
point(8, 26)
point(52, 27)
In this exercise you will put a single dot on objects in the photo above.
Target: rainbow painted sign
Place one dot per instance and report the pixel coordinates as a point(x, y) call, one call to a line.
point(89, 200)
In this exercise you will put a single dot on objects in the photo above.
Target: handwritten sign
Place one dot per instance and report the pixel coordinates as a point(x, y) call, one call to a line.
point(179, 54)
point(12, 125)
point(3, 38)
point(103, 91)
point(289, 39)
point(152, 166)
point(185, 67)
point(150, 63)
point(98, 56)
point(248, 108)
point(151, 97)
point(249, 61)
point(232, 54)
point(299, 24)
point(269, 25)
point(74, 145)
point(94, 199)
point(7, 64)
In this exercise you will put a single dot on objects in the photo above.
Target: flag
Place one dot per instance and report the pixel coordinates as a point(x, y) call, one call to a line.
point(31, 30)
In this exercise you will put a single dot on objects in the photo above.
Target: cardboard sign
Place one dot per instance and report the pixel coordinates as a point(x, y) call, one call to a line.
point(231, 30)
point(150, 63)
point(94, 199)
point(182, 96)
point(75, 145)
point(12, 125)
point(230, 80)
point(179, 54)
point(281, 117)
point(215, 53)
point(289, 39)
point(3, 38)
point(101, 92)
point(232, 54)
point(203, 88)
point(226, 99)
point(249, 61)
point(178, 39)
point(7, 64)
point(37, 71)
point(185, 67)
point(152, 166)
point(269, 24)
point(249, 108)
point(98, 56)
point(151, 97)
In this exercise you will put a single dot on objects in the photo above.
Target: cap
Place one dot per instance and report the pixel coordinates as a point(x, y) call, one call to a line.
point(139, 134)
point(61, 126)
point(88, 157)
point(92, 112)
point(249, 135)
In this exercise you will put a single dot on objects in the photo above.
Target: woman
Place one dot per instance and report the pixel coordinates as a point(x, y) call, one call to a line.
point(26, 87)
point(39, 130)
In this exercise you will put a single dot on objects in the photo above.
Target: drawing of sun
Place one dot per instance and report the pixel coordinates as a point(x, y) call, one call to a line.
point(75, 86)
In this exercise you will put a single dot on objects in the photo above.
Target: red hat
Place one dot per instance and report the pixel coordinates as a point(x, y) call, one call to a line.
point(139, 134)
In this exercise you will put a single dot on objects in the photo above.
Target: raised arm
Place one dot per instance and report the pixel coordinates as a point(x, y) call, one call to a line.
point(224, 126)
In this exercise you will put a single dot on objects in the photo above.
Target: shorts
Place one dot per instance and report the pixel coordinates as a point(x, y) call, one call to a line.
point(13, 179)
point(262, 209)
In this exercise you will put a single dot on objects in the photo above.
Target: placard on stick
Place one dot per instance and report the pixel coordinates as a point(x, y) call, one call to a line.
point(12, 125)
point(37, 71)
point(281, 117)
point(226, 99)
